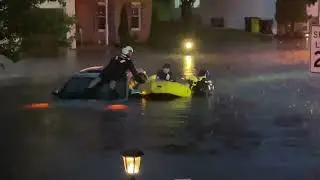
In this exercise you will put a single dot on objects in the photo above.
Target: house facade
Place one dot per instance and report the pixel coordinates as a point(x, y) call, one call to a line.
point(139, 18)
point(232, 11)
point(97, 21)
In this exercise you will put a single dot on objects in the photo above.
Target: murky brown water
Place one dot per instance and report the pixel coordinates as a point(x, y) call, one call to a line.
point(258, 122)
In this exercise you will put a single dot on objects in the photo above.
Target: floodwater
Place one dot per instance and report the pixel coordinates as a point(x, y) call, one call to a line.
point(262, 122)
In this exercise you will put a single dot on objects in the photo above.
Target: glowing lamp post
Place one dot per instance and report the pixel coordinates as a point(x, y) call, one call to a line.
point(188, 45)
point(131, 162)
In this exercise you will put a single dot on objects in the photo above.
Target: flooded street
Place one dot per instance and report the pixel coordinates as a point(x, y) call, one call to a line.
point(262, 122)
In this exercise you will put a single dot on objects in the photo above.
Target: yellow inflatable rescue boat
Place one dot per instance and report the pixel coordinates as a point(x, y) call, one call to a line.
point(158, 87)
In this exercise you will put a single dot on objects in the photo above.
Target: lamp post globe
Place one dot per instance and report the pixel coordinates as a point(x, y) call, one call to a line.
point(131, 162)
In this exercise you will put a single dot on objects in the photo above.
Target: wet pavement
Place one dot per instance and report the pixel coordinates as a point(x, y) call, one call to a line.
point(262, 122)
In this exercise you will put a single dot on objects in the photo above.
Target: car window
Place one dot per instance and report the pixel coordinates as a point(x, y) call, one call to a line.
point(304, 28)
point(77, 84)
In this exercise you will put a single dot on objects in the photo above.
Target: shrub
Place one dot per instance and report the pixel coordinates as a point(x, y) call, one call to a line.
point(47, 31)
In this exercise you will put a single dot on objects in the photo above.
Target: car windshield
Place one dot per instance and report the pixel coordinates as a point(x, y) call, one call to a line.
point(77, 84)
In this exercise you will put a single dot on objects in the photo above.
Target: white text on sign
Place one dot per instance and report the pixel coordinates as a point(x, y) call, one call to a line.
point(316, 35)
point(315, 49)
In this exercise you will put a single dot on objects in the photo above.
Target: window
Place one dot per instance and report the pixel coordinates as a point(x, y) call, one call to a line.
point(135, 16)
point(102, 10)
point(314, 20)
point(177, 4)
point(101, 16)
point(101, 23)
point(77, 84)
point(75, 87)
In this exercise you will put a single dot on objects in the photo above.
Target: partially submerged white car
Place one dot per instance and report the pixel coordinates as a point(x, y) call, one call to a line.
point(76, 86)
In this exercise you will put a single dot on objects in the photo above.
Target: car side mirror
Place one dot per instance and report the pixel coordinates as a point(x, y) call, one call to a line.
point(55, 93)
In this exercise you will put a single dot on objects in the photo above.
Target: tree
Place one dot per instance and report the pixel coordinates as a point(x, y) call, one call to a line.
point(155, 27)
point(311, 1)
point(123, 30)
point(288, 12)
point(154, 21)
point(15, 26)
point(186, 12)
point(163, 8)
point(50, 27)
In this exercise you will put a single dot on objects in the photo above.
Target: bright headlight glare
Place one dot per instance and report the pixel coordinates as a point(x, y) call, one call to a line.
point(188, 45)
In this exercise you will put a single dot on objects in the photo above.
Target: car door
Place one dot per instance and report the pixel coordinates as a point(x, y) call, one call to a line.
point(120, 92)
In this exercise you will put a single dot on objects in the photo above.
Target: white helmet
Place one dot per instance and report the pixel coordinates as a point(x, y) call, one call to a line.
point(128, 50)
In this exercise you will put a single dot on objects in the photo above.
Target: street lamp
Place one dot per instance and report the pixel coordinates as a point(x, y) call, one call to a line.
point(188, 45)
point(131, 161)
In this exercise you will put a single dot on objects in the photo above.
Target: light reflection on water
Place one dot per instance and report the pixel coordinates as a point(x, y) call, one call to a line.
point(188, 65)
point(166, 122)
point(165, 109)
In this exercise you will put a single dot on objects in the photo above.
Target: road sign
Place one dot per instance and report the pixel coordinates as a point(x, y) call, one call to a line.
point(315, 49)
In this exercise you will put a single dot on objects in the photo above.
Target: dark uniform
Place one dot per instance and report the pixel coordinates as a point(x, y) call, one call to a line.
point(203, 86)
point(114, 71)
point(117, 69)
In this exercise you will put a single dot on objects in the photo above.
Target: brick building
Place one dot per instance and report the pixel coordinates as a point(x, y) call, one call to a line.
point(97, 21)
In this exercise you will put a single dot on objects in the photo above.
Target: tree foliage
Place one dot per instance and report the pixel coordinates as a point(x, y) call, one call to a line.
point(19, 20)
point(290, 11)
point(186, 12)
point(123, 29)
point(311, 1)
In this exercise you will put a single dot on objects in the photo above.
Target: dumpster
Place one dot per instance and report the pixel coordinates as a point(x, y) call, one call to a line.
point(266, 26)
point(252, 24)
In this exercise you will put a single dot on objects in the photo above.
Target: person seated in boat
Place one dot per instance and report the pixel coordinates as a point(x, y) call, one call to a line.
point(165, 73)
point(202, 84)
point(203, 75)
point(194, 79)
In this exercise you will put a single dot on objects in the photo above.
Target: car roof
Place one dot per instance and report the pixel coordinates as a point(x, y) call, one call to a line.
point(92, 69)
point(86, 75)
point(91, 72)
